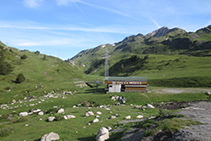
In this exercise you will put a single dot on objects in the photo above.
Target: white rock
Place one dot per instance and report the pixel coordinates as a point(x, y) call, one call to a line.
point(139, 116)
point(150, 106)
point(95, 120)
point(103, 134)
point(38, 110)
point(31, 105)
point(71, 116)
point(112, 117)
point(90, 113)
point(208, 93)
point(41, 113)
point(65, 117)
point(99, 113)
point(109, 128)
point(51, 118)
point(74, 106)
point(127, 117)
point(60, 111)
point(97, 116)
point(50, 137)
point(23, 114)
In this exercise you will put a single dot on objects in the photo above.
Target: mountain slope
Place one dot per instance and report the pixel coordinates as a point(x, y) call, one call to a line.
point(172, 53)
point(42, 74)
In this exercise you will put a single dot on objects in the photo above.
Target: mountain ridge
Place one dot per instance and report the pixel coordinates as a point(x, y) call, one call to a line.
point(163, 41)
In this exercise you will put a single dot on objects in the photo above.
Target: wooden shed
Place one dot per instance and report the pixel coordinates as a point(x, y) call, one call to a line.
point(127, 84)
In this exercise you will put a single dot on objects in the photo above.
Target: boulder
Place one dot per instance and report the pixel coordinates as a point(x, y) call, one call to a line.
point(60, 111)
point(112, 117)
point(103, 134)
point(50, 137)
point(127, 117)
point(95, 120)
point(208, 93)
point(139, 116)
point(41, 113)
point(51, 118)
point(23, 114)
point(99, 113)
point(150, 106)
point(71, 116)
point(90, 113)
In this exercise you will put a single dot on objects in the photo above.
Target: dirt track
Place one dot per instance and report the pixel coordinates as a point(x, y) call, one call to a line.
point(181, 90)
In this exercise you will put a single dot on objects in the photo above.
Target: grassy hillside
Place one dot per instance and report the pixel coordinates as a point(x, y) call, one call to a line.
point(176, 55)
point(42, 74)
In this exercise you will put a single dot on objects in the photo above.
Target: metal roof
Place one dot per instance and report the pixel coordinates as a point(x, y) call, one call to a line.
point(143, 79)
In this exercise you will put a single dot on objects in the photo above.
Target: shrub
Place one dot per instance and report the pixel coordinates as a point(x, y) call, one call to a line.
point(20, 78)
point(5, 68)
point(23, 57)
point(6, 131)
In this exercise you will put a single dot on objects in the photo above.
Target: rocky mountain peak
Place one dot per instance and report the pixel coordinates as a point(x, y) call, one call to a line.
point(159, 32)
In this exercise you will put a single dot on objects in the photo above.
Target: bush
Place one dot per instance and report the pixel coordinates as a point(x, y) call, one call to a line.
point(6, 131)
point(23, 57)
point(5, 68)
point(20, 78)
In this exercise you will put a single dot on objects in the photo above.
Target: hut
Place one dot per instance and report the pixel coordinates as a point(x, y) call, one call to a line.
point(126, 84)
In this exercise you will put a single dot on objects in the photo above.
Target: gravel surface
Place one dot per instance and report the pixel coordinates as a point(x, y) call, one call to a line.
point(199, 112)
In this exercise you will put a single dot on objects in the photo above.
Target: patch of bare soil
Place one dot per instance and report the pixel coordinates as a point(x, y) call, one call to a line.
point(181, 90)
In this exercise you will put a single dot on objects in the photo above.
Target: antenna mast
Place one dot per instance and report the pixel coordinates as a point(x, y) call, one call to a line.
point(106, 63)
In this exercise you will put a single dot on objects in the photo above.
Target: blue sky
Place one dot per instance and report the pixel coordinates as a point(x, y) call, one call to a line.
point(62, 28)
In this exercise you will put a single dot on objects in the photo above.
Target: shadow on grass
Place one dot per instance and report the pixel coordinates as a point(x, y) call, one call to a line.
point(91, 138)
point(93, 91)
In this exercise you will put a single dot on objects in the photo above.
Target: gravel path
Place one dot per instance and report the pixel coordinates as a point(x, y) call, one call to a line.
point(181, 90)
point(199, 112)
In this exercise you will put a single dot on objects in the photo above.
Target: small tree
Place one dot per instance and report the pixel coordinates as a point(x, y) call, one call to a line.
point(20, 78)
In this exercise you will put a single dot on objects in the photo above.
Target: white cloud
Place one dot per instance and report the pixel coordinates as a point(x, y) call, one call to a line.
point(65, 2)
point(156, 23)
point(32, 3)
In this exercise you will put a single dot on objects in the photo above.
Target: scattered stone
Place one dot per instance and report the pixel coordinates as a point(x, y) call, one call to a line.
point(150, 106)
point(74, 106)
point(95, 120)
point(112, 117)
point(208, 93)
point(60, 111)
point(27, 125)
point(23, 114)
point(127, 117)
point(139, 116)
point(90, 113)
point(103, 134)
point(71, 116)
point(31, 105)
point(151, 117)
point(99, 113)
point(65, 117)
point(137, 106)
point(97, 116)
point(109, 128)
point(51, 119)
point(50, 137)
point(41, 113)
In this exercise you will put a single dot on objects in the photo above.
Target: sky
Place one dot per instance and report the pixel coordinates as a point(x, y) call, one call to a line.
point(63, 28)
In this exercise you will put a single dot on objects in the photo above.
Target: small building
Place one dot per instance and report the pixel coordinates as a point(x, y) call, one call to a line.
point(126, 84)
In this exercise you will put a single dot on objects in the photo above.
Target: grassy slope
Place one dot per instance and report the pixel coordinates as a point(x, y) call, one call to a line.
point(41, 75)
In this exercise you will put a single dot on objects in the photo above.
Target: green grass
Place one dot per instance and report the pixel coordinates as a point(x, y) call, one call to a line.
point(78, 128)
